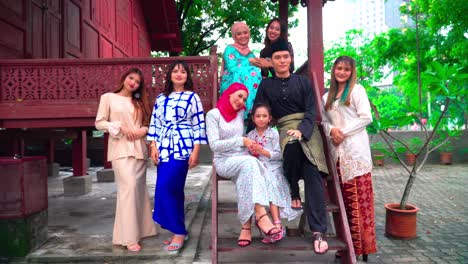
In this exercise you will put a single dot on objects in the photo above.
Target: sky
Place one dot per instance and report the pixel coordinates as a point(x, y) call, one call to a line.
point(334, 27)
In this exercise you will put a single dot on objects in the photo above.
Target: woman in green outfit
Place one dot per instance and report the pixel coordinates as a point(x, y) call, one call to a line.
point(237, 66)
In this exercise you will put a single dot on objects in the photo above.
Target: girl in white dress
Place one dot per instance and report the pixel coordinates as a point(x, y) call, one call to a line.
point(267, 149)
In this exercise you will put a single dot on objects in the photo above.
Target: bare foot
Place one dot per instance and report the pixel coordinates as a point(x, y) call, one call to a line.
point(320, 245)
point(134, 247)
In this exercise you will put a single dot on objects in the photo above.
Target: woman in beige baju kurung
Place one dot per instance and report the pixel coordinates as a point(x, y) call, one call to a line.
point(124, 115)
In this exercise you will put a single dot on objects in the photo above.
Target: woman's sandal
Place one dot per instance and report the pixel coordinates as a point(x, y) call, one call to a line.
point(134, 247)
point(270, 234)
point(168, 241)
point(244, 242)
point(174, 246)
point(280, 235)
point(318, 237)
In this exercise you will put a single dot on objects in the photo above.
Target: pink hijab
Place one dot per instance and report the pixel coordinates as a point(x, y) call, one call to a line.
point(225, 107)
point(243, 49)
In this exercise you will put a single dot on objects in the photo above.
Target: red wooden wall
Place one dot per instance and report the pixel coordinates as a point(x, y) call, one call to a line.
point(72, 29)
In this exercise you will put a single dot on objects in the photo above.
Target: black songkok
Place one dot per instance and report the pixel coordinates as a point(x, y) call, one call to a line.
point(279, 45)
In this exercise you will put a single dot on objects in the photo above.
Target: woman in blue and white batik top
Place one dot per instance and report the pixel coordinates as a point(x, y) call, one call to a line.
point(177, 129)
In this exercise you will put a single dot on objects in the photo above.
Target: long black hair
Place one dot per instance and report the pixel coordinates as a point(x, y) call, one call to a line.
point(169, 86)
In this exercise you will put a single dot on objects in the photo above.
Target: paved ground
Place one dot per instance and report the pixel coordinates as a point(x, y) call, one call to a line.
point(439, 192)
point(80, 228)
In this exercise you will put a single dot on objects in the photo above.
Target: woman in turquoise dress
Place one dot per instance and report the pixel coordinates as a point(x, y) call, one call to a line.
point(237, 67)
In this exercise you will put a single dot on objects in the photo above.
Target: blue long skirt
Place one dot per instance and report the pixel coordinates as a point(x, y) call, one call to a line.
point(169, 195)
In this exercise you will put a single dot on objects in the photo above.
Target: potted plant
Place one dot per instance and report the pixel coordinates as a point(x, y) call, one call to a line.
point(445, 152)
point(446, 84)
point(378, 151)
point(414, 144)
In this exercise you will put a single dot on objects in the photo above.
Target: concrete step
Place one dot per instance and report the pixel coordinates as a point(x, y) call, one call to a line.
point(67, 245)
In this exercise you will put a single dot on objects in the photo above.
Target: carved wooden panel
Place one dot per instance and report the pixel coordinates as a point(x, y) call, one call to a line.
point(15, 7)
point(37, 32)
point(86, 10)
point(53, 37)
point(73, 32)
point(135, 41)
point(91, 43)
point(144, 48)
point(108, 17)
point(54, 6)
point(106, 48)
point(96, 12)
point(14, 12)
point(123, 30)
point(118, 53)
point(65, 92)
point(11, 41)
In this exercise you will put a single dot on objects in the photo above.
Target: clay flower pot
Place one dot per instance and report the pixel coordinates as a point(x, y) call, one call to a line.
point(446, 158)
point(400, 223)
point(378, 159)
point(410, 159)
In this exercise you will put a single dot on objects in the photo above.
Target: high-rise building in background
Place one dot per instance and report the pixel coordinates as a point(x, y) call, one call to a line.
point(369, 15)
point(341, 16)
point(393, 16)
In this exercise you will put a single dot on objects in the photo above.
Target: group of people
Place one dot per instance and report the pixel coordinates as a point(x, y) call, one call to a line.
point(263, 161)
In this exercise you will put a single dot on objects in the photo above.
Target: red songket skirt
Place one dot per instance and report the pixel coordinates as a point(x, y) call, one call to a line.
point(358, 197)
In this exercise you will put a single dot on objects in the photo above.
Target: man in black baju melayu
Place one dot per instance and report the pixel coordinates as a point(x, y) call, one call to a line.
point(292, 101)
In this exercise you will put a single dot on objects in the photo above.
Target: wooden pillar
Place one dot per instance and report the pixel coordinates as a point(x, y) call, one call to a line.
point(22, 146)
point(79, 150)
point(315, 42)
point(283, 12)
point(107, 164)
point(51, 146)
point(15, 147)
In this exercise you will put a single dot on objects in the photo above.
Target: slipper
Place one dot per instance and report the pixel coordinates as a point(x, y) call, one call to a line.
point(318, 237)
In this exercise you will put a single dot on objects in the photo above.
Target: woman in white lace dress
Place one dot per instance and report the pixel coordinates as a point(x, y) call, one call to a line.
point(347, 113)
point(225, 129)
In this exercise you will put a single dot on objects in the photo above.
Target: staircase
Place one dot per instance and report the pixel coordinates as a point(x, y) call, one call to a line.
point(338, 238)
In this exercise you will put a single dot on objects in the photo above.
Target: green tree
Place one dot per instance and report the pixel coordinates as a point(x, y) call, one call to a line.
point(447, 20)
point(205, 22)
point(358, 46)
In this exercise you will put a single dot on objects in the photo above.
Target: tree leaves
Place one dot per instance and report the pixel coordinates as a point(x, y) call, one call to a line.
point(203, 22)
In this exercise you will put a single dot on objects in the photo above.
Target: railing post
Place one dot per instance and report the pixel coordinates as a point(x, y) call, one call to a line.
point(79, 148)
point(214, 75)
